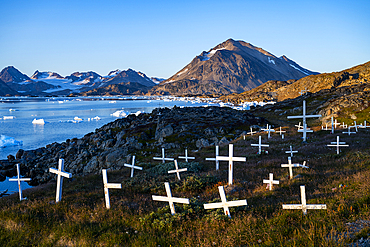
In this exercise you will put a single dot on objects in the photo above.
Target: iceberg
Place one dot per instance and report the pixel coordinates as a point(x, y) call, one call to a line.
point(8, 117)
point(6, 141)
point(120, 113)
point(78, 119)
point(38, 121)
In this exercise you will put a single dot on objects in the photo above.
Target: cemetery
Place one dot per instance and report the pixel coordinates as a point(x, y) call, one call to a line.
point(222, 194)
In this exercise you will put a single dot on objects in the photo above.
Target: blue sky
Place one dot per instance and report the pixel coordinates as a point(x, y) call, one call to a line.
point(160, 37)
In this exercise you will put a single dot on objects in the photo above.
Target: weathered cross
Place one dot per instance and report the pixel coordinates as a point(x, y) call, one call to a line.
point(270, 181)
point(251, 132)
point(19, 180)
point(215, 159)
point(290, 166)
point(132, 166)
point(108, 186)
point(260, 145)
point(224, 203)
point(338, 144)
point(304, 116)
point(281, 131)
point(304, 206)
point(291, 151)
point(299, 126)
point(186, 157)
point(303, 91)
point(335, 123)
point(163, 158)
point(355, 125)
point(171, 200)
point(230, 158)
point(344, 126)
point(60, 174)
point(364, 126)
point(268, 130)
point(177, 170)
point(349, 131)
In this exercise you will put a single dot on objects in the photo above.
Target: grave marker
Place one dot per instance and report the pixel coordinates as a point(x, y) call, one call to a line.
point(108, 186)
point(338, 144)
point(171, 200)
point(291, 151)
point(19, 180)
point(344, 126)
point(270, 181)
point(230, 158)
point(60, 174)
point(251, 132)
point(132, 166)
point(304, 206)
point(260, 145)
point(224, 203)
point(349, 131)
point(163, 158)
point(281, 131)
point(290, 166)
point(177, 170)
point(268, 130)
point(186, 157)
point(215, 159)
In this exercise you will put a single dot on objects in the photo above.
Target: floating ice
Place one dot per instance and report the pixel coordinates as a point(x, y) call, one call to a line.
point(38, 121)
point(120, 113)
point(6, 141)
point(78, 119)
point(8, 117)
point(94, 118)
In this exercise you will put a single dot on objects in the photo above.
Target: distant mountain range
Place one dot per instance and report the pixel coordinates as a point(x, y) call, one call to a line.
point(230, 67)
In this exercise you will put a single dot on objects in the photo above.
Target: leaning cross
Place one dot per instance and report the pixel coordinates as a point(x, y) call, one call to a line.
point(60, 174)
point(186, 157)
point(251, 132)
point(281, 131)
point(230, 158)
point(268, 130)
point(19, 179)
point(303, 205)
point(163, 158)
point(132, 166)
point(338, 144)
point(260, 145)
point(291, 151)
point(215, 159)
point(290, 166)
point(108, 186)
point(270, 181)
point(177, 170)
point(225, 204)
point(170, 199)
point(304, 116)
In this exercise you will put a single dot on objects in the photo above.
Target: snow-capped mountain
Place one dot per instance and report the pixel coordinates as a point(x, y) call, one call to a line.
point(12, 75)
point(45, 75)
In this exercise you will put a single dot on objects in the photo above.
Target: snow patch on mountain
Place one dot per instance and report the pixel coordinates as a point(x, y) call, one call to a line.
point(299, 69)
point(207, 55)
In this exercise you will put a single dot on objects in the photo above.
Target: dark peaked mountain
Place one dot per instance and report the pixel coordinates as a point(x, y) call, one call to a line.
point(44, 75)
point(130, 75)
point(11, 74)
point(6, 90)
point(232, 66)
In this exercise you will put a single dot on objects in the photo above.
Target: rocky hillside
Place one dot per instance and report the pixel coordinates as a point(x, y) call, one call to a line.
point(5, 90)
point(123, 88)
point(113, 144)
point(232, 66)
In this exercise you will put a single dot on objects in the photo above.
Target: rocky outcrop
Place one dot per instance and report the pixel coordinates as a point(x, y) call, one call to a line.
point(112, 145)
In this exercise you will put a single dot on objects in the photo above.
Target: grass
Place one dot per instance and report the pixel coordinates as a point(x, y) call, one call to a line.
point(81, 218)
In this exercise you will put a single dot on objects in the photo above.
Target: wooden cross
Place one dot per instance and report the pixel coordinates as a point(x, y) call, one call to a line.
point(344, 126)
point(215, 159)
point(108, 186)
point(303, 91)
point(171, 200)
point(291, 151)
point(230, 158)
point(177, 170)
point(268, 130)
point(281, 131)
point(270, 181)
point(251, 132)
point(338, 144)
point(19, 180)
point(299, 126)
point(290, 166)
point(186, 157)
point(132, 166)
point(60, 174)
point(224, 203)
point(163, 158)
point(349, 131)
point(260, 145)
point(304, 116)
point(304, 206)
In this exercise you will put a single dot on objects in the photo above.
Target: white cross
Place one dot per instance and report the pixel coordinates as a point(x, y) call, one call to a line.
point(177, 170)
point(163, 157)
point(290, 166)
point(335, 123)
point(281, 131)
point(224, 203)
point(186, 157)
point(171, 200)
point(260, 145)
point(132, 166)
point(303, 92)
point(326, 127)
point(299, 126)
point(19, 179)
point(303, 204)
point(251, 132)
point(344, 126)
point(291, 151)
point(60, 174)
point(215, 159)
point(364, 126)
point(349, 131)
point(355, 125)
point(305, 130)
point(268, 130)
point(230, 158)
point(304, 116)
point(108, 186)
point(338, 144)
point(270, 181)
